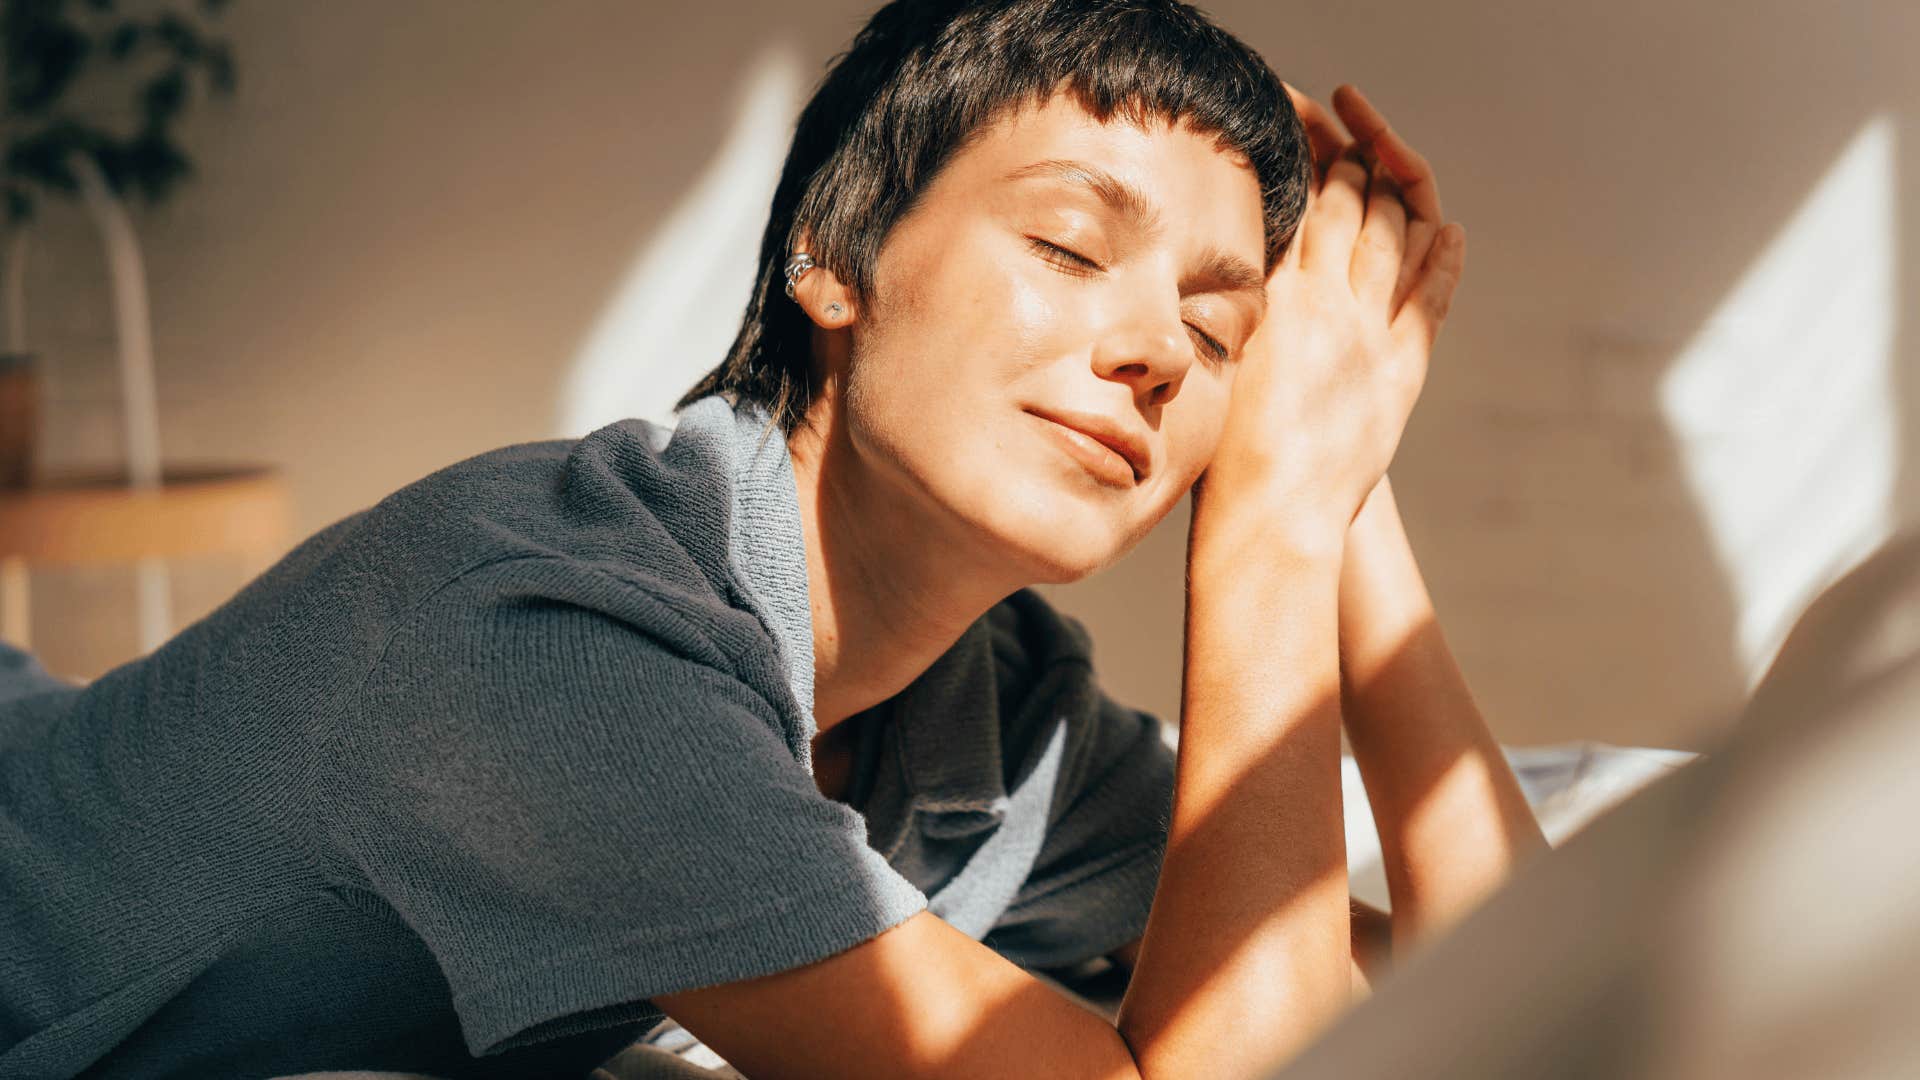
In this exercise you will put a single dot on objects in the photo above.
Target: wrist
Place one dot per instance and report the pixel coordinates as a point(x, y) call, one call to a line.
point(1374, 539)
point(1250, 536)
point(1384, 608)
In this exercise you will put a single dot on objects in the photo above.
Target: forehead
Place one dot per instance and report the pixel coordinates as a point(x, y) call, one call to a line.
point(1196, 187)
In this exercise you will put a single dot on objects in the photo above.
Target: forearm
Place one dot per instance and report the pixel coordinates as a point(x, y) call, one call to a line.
point(1246, 952)
point(1452, 819)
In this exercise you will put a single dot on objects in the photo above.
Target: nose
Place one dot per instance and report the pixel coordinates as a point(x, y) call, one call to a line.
point(1146, 345)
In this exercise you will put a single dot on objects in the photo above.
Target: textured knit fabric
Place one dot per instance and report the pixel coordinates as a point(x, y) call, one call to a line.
point(468, 777)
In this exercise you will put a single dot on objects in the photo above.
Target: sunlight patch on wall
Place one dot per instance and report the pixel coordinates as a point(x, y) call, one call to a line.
point(1784, 403)
point(675, 312)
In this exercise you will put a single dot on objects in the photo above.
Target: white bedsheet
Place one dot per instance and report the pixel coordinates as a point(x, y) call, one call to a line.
point(1567, 784)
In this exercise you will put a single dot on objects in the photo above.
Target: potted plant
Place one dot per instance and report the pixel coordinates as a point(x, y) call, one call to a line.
point(69, 65)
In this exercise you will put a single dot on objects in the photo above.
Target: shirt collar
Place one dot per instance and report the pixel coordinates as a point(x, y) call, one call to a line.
point(947, 723)
point(972, 725)
point(765, 545)
point(946, 726)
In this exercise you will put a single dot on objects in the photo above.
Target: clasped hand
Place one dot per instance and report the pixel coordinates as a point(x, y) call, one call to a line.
point(1324, 387)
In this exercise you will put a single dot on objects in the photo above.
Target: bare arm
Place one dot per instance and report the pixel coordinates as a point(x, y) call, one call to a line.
point(1372, 946)
point(1249, 929)
point(1246, 954)
point(1451, 816)
point(1453, 821)
point(921, 1001)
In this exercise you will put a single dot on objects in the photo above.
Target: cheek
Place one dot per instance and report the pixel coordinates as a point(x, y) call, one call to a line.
point(1033, 316)
point(898, 291)
point(984, 307)
point(1196, 434)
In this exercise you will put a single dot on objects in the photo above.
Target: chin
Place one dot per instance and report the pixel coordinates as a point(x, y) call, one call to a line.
point(1054, 536)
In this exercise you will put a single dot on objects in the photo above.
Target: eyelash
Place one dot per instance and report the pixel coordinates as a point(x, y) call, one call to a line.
point(1082, 266)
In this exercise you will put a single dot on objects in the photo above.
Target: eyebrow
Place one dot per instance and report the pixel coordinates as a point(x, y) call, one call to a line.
point(1218, 269)
point(1123, 198)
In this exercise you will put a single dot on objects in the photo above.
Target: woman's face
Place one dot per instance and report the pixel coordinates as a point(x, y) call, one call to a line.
point(1059, 273)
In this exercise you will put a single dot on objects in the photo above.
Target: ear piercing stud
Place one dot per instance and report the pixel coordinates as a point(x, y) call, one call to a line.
point(797, 268)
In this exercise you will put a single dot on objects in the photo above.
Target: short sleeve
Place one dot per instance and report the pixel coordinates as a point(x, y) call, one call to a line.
point(576, 813)
point(1093, 882)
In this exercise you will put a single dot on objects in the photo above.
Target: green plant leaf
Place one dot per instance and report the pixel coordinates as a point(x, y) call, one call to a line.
point(179, 35)
point(43, 51)
point(221, 75)
point(125, 38)
point(47, 48)
point(42, 155)
point(153, 164)
point(162, 99)
point(19, 204)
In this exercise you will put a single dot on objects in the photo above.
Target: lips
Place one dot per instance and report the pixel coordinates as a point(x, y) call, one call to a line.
point(1109, 433)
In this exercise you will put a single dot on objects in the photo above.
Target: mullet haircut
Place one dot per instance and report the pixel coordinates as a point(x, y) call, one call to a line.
point(924, 77)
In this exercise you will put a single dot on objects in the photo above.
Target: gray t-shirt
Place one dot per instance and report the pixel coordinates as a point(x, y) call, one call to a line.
point(469, 776)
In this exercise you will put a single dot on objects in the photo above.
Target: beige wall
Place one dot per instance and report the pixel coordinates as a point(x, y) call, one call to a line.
point(412, 214)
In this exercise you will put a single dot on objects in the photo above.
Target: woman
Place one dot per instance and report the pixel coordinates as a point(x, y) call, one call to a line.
point(770, 738)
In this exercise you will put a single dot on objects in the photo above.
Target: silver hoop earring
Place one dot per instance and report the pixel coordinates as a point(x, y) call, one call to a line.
point(834, 308)
point(797, 268)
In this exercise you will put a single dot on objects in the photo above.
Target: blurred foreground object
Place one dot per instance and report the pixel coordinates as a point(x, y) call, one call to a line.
point(1754, 915)
point(93, 519)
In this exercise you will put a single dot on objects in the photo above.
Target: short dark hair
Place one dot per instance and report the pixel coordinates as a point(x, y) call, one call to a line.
point(924, 77)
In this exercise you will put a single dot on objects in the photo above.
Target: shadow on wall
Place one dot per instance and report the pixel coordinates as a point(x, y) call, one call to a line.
point(674, 314)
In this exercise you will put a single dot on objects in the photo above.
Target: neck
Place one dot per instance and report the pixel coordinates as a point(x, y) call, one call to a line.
point(894, 579)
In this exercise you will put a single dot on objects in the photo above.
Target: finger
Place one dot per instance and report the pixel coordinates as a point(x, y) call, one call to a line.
point(1377, 253)
point(1409, 169)
point(1418, 323)
point(1330, 230)
point(1419, 241)
point(1324, 136)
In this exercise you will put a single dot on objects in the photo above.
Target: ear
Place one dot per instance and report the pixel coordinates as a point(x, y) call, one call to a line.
point(820, 292)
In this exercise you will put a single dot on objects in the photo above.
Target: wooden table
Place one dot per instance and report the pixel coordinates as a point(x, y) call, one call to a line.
point(91, 518)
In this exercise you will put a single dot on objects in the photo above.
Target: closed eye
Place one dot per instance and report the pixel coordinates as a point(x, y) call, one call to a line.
point(1070, 261)
point(1212, 348)
point(1064, 259)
